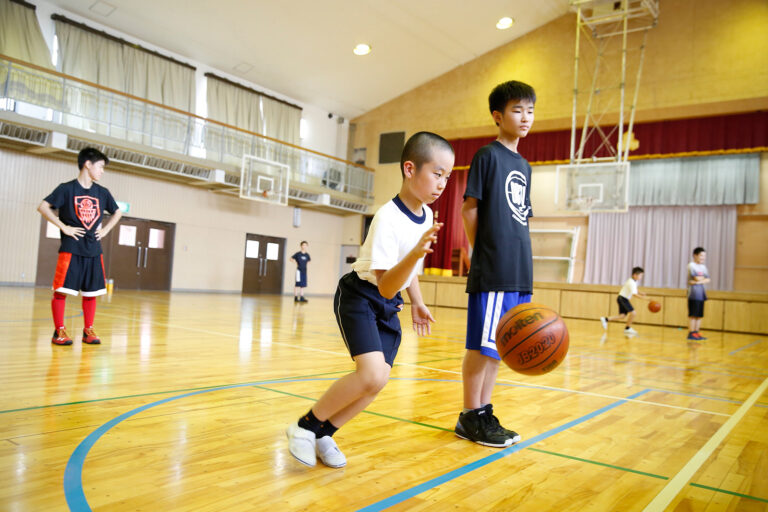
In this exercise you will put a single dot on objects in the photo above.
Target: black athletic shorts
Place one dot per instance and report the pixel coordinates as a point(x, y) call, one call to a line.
point(624, 305)
point(368, 321)
point(695, 308)
point(75, 273)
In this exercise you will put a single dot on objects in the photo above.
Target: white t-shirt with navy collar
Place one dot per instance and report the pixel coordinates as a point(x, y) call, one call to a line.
point(394, 232)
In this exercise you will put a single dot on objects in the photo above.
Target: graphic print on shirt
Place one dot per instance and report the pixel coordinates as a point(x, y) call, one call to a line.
point(515, 188)
point(87, 210)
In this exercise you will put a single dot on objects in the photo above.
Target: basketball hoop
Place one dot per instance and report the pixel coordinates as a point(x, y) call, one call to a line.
point(584, 204)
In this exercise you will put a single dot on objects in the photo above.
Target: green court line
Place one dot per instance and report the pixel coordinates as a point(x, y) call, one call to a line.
point(599, 463)
point(588, 461)
point(95, 400)
point(365, 411)
point(729, 492)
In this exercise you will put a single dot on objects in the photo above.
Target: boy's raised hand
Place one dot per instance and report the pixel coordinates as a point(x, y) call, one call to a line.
point(427, 239)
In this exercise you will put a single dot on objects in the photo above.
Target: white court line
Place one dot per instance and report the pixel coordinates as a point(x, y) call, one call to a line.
point(304, 347)
point(672, 489)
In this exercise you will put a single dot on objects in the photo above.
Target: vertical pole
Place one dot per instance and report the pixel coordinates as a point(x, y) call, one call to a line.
point(625, 6)
point(575, 86)
point(637, 90)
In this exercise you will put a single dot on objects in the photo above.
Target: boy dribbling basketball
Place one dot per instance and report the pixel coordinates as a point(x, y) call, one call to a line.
point(626, 310)
point(368, 299)
point(495, 212)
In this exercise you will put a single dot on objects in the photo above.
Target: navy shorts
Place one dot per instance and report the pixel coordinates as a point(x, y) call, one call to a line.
point(301, 278)
point(484, 309)
point(75, 273)
point(624, 305)
point(368, 321)
point(695, 308)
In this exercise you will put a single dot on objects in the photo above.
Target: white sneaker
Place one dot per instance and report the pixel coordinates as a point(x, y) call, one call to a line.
point(329, 453)
point(301, 444)
point(630, 331)
point(604, 321)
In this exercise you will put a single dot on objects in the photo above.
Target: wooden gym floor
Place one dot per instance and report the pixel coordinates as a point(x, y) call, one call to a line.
point(184, 406)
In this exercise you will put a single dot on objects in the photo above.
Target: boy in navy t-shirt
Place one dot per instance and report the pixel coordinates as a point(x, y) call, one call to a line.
point(80, 266)
point(301, 259)
point(368, 299)
point(497, 205)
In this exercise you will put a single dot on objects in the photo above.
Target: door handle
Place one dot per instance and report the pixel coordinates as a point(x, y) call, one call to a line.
point(138, 258)
point(146, 253)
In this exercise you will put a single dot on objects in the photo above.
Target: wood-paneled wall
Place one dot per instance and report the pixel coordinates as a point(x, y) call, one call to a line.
point(724, 311)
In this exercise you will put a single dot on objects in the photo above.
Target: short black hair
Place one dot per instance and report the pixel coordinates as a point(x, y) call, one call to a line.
point(418, 149)
point(92, 155)
point(638, 270)
point(698, 251)
point(509, 91)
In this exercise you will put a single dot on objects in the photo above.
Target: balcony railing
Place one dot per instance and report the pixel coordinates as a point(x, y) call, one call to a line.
point(69, 101)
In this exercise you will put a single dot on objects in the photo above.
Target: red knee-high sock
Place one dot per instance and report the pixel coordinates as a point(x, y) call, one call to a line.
point(89, 311)
point(58, 303)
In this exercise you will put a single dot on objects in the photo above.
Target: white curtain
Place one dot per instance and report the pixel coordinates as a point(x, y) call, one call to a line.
point(700, 181)
point(128, 69)
point(234, 106)
point(661, 240)
point(20, 35)
point(281, 121)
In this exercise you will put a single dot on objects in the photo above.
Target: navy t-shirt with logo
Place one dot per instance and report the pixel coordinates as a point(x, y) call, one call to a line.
point(81, 207)
point(301, 259)
point(502, 261)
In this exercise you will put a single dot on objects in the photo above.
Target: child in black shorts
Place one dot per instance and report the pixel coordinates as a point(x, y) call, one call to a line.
point(368, 299)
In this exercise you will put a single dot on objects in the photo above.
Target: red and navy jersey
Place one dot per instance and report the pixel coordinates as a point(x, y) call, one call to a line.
point(81, 207)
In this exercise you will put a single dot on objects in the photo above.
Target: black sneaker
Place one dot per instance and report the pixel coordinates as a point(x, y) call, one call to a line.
point(303, 300)
point(295, 299)
point(514, 436)
point(477, 426)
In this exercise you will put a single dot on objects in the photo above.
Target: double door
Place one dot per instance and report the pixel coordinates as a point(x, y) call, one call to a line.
point(263, 267)
point(140, 254)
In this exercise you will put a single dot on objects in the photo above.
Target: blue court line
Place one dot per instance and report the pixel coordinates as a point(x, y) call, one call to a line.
point(456, 473)
point(39, 319)
point(745, 346)
point(73, 473)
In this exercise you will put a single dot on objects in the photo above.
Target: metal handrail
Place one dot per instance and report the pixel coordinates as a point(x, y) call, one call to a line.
point(81, 104)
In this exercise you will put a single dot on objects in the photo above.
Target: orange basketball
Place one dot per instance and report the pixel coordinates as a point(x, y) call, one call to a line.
point(532, 339)
point(654, 307)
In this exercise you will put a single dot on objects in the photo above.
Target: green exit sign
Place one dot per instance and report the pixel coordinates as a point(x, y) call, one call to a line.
point(124, 207)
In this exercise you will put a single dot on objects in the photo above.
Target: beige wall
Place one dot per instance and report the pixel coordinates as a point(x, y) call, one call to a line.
point(210, 228)
point(703, 58)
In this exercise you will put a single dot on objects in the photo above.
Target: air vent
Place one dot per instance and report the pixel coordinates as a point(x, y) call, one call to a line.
point(352, 206)
point(23, 134)
point(139, 159)
point(303, 196)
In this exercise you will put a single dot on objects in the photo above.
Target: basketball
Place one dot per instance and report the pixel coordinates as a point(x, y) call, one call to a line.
point(532, 339)
point(654, 307)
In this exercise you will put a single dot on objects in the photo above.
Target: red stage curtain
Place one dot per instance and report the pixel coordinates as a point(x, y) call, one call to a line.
point(658, 139)
point(448, 211)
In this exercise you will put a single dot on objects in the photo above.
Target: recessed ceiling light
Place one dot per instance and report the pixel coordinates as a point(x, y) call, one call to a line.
point(362, 49)
point(504, 23)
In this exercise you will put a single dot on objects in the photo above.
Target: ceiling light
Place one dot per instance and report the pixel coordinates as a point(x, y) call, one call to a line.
point(504, 23)
point(362, 49)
